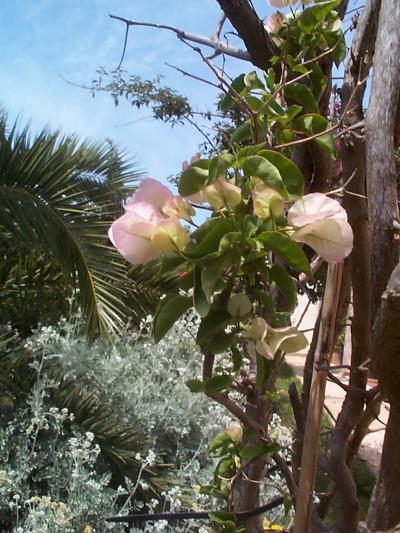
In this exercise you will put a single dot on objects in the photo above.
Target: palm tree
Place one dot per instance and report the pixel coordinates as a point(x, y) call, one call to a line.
point(58, 196)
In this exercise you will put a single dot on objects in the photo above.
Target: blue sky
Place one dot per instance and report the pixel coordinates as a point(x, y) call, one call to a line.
point(42, 40)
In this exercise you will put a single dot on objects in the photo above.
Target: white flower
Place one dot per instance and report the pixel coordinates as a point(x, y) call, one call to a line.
point(151, 458)
point(321, 222)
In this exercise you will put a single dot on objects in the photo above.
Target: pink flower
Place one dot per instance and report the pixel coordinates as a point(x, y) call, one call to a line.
point(131, 233)
point(274, 22)
point(150, 225)
point(186, 165)
point(321, 222)
point(155, 193)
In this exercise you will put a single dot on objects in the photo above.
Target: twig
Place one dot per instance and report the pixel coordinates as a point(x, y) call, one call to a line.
point(218, 29)
point(329, 413)
point(199, 39)
point(193, 76)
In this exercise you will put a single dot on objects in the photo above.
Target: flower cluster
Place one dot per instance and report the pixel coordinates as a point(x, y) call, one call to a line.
point(150, 225)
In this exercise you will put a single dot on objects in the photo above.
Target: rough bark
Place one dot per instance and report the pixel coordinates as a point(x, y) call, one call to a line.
point(384, 512)
point(353, 160)
point(383, 211)
point(381, 172)
point(251, 30)
point(246, 487)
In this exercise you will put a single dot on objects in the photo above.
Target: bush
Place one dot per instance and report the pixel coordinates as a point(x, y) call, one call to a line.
point(57, 476)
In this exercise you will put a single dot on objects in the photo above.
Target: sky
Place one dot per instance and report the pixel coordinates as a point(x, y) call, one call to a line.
point(44, 41)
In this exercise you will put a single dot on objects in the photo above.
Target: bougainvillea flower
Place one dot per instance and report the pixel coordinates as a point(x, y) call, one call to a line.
point(178, 207)
point(195, 158)
point(274, 22)
point(321, 222)
point(222, 193)
point(158, 195)
point(267, 202)
point(256, 335)
point(266, 341)
point(239, 305)
point(169, 235)
point(132, 232)
point(152, 192)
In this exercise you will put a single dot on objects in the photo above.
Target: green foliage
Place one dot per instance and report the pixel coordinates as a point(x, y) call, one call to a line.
point(58, 197)
point(165, 103)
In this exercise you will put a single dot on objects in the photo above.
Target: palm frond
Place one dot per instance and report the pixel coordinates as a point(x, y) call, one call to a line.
point(58, 197)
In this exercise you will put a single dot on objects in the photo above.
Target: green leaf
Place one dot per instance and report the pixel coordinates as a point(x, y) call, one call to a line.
point(195, 385)
point(286, 248)
point(170, 262)
point(227, 101)
point(218, 383)
point(215, 321)
point(219, 166)
point(237, 358)
point(193, 179)
point(291, 175)
point(249, 150)
point(220, 442)
point(313, 124)
point(201, 302)
point(250, 451)
point(285, 284)
point(221, 342)
point(252, 81)
point(315, 13)
point(212, 271)
point(336, 39)
point(318, 81)
point(260, 167)
point(264, 369)
point(210, 233)
point(169, 310)
point(270, 79)
point(242, 133)
point(301, 94)
point(230, 241)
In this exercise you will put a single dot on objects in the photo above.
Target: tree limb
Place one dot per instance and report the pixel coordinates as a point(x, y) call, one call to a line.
point(251, 30)
point(211, 42)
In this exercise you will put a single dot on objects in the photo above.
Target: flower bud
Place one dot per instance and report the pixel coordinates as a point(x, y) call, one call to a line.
point(222, 193)
point(239, 305)
point(267, 201)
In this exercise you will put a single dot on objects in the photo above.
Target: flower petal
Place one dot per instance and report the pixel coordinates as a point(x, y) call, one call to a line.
point(313, 207)
point(288, 339)
point(331, 238)
point(152, 192)
point(135, 248)
point(169, 235)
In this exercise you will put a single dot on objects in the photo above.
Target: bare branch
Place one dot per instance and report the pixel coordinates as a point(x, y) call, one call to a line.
point(210, 42)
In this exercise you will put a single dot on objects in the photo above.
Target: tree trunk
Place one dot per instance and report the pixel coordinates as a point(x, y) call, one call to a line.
point(381, 171)
point(383, 211)
point(245, 494)
point(384, 511)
